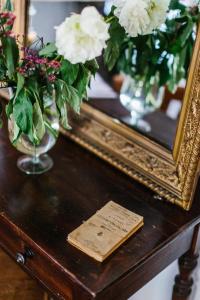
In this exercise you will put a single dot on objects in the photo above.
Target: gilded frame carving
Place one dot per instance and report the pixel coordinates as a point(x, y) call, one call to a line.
point(172, 175)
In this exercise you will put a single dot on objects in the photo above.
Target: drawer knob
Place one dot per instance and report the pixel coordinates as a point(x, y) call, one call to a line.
point(20, 258)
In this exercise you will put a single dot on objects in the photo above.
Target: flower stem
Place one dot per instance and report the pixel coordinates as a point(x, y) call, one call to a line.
point(108, 20)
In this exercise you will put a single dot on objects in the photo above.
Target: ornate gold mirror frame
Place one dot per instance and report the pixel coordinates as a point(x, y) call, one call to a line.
point(172, 175)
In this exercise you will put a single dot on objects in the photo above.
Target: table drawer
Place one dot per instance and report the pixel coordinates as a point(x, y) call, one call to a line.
point(34, 260)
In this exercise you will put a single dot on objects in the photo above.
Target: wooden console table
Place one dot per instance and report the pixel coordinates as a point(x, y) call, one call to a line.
point(37, 213)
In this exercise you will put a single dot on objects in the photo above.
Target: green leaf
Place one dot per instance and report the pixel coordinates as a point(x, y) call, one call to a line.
point(186, 33)
point(82, 81)
point(61, 103)
point(20, 84)
point(114, 44)
point(38, 123)
point(69, 72)
point(175, 4)
point(73, 98)
point(48, 50)
point(3, 69)
point(63, 114)
point(111, 55)
point(164, 72)
point(92, 66)
point(32, 85)
point(16, 131)
point(33, 90)
point(11, 52)
point(116, 31)
point(23, 112)
point(8, 6)
point(9, 108)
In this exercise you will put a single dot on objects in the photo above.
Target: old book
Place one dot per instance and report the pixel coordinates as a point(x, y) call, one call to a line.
point(105, 231)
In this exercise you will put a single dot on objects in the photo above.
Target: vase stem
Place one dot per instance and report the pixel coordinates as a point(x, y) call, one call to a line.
point(36, 156)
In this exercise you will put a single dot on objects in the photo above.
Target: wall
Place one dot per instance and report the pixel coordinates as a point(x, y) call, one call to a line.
point(50, 14)
point(160, 288)
point(47, 16)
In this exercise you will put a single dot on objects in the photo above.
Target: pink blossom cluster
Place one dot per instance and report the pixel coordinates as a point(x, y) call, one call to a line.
point(33, 63)
point(7, 20)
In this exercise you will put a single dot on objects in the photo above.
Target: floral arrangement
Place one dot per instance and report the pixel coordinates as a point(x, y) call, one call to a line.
point(152, 40)
point(39, 72)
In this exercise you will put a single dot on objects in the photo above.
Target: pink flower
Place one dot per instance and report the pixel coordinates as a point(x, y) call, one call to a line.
point(22, 71)
point(10, 22)
point(9, 17)
point(10, 33)
point(52, 78)
point(54, 64)
point(41, 61)
point(30, 64)
point(4, 15)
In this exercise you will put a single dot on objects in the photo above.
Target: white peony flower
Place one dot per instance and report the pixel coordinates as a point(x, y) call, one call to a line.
point(158, 13)
point(141, 17)
point(133, 16)
point(82, 37)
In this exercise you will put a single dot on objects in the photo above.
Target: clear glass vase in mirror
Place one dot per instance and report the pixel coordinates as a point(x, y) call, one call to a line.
point(136, 99)
point(36, 160)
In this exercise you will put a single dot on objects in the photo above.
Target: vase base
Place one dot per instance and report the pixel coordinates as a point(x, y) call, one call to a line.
point(140, 124)
point(32, 166)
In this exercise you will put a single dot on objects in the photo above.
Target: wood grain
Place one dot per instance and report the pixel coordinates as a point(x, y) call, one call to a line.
point(40, 211)
point(16, 284)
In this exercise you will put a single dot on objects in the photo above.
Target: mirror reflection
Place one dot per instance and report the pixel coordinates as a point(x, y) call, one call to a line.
point(145, 87)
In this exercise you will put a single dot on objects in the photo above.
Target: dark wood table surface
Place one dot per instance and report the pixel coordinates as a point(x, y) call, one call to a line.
point(38, 212)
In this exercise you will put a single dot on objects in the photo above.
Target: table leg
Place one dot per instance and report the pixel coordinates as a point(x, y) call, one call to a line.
point(187, 264)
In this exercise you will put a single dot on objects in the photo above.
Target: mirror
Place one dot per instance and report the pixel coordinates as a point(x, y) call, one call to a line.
point(148, 124)
point(155, 114)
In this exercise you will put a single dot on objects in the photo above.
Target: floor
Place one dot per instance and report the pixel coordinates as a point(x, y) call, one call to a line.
point(15, 284)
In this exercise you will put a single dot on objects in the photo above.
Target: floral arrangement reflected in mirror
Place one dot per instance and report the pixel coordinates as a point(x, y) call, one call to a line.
point(151, 44)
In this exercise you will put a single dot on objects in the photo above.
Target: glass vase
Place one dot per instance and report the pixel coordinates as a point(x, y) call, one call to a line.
point(135, 99)
point(36, 160)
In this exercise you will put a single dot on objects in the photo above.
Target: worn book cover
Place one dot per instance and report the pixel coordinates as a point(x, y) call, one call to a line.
point(105, 231)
